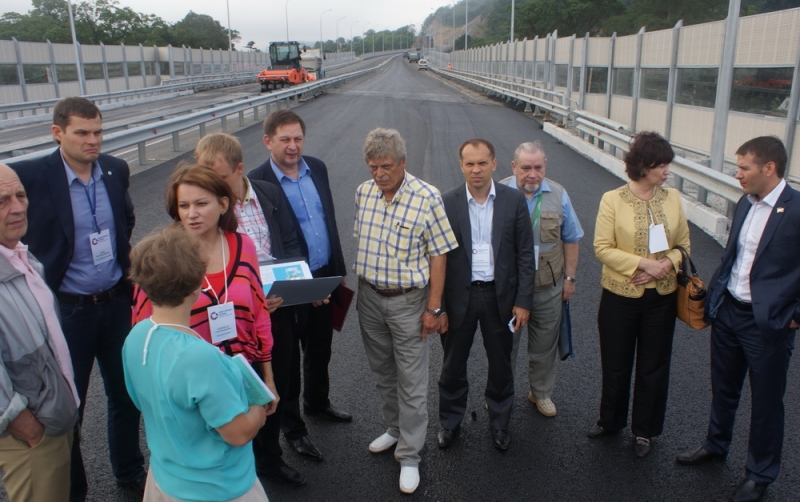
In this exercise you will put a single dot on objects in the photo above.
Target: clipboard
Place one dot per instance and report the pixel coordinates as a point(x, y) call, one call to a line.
point(303, 291)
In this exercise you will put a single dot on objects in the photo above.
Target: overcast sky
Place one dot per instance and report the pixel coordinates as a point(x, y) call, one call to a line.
point(264, 21)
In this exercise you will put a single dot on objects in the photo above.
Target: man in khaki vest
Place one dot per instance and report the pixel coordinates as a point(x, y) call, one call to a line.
point(556, 233)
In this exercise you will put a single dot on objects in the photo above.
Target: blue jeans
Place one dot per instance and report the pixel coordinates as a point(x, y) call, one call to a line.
point(99, 331)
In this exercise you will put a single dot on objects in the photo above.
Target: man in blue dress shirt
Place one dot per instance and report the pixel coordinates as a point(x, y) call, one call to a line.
point(304, 180)
point(80, 229)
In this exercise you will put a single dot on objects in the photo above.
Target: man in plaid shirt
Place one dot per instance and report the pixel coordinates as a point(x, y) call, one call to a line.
point(403, 235)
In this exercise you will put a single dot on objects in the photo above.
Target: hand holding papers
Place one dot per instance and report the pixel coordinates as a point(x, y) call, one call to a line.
point(293, 282)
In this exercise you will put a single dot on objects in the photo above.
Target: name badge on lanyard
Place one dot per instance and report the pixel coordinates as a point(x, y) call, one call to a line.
point(100, 243)
point(480, 258)
point(222, 321)
point(657, 236)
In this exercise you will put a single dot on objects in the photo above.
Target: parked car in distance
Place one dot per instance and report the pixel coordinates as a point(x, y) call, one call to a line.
point(405, 55)
point(423, 64)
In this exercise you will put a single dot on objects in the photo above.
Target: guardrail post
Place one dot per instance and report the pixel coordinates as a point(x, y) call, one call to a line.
point(255, 113)
point(202, 128)
point(241, 118)
point(224, 123)
point(20, 70)
point(142, 153)
point(637, 77)
point(176, 141)
point(53, 70)
point(724, 91)
point(125, 67)
point(672, 87)
point(794, 106)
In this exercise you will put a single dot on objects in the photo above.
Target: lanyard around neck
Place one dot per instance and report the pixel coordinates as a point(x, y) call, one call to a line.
point(224, 273)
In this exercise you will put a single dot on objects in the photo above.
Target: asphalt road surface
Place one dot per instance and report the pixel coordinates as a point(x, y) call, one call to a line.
point(550, 459)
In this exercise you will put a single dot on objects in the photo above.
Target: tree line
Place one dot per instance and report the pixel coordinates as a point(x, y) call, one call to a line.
point(104, 21)
point(596, 17)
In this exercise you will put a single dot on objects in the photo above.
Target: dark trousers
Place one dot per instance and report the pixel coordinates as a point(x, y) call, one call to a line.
point(498, 341)
point(639, 329)
point(737, 346)
point(285, 350)
point(315, 338)
point(99, 331)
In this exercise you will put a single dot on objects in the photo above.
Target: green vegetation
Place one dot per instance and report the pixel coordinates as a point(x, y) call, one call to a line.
point(490, 20)
point(103, 21)
point(401, 38)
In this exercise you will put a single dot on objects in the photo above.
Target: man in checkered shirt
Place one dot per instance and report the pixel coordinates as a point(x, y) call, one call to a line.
point(403, 235)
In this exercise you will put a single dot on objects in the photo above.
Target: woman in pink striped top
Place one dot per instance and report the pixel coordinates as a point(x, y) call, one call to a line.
point(231, 312)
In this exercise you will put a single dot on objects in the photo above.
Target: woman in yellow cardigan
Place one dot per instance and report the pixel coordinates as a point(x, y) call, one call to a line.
point(638, 227)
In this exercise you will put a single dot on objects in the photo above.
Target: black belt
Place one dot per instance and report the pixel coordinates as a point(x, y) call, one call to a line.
point(96, 299)
point(388, 292)
point(482, 284)
point(748, 307)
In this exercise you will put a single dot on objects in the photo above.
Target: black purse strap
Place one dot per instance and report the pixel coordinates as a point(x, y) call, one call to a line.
point(687, 265)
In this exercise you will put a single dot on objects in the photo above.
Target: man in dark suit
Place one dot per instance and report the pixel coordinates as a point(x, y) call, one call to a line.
point(304, 181)
point(489, 280)
point(753, 305)
point(80, 229)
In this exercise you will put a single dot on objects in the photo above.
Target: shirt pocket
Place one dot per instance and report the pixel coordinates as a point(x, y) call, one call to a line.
point(401, 239)
point(550, 226)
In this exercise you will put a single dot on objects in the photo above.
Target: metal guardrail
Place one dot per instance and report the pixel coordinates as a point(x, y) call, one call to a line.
point(198, 83)
point(518, 92)
point(606, 130)
point(211, 76)
point(140, 135)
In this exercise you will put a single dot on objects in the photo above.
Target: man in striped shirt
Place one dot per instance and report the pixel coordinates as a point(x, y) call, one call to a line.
point(403, 235)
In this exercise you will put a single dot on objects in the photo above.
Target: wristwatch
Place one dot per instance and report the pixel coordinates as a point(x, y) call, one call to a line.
point(435, 312)
point(570, 279)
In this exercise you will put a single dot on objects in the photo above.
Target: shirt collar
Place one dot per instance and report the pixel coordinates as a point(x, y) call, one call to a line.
point(71, 176)
point(248, 191)
point(303, 170)
point(470, 198)
point(772, 198)
point(398, 195)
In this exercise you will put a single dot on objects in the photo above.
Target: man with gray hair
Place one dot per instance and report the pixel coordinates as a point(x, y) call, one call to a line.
point(38, 399)
point(403, 234)
point(556, 233)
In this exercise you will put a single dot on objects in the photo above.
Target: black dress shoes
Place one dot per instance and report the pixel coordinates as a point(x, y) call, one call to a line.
point(698, 456)
point(306, 448)
point(287, 475)
point(501, 439)
point(749, 491)
point(329, 413)
point(595, 431)
point(446, 437)
point(642, 447)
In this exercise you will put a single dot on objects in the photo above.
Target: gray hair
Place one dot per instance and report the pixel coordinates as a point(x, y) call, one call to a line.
point(382, 143)
point(530, 147)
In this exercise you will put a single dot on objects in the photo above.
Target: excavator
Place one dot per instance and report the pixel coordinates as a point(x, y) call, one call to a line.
point(290, 66)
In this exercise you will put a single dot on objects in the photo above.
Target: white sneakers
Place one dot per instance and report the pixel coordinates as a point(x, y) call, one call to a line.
point(409, 478)
point(545, 406)
point(383, 443)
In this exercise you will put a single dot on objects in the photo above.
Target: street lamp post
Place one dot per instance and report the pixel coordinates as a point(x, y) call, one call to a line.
point(511, 39)
point(466, 23)
point(337, 32)
point(81, 80)
point(351, 37)
point(287, 20)
point(321, 41)
point(454, 25)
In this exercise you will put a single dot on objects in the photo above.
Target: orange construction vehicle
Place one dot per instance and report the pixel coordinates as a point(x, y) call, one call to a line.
point(286, 67)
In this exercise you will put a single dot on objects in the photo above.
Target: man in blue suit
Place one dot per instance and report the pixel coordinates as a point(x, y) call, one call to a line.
point(753, 305)
point(80, 228)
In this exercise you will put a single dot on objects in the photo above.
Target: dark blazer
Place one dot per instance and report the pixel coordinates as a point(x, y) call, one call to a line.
point(51, 231)
point(277, 212)
point(512, 244)
point(775, 276)
point(319, 174)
